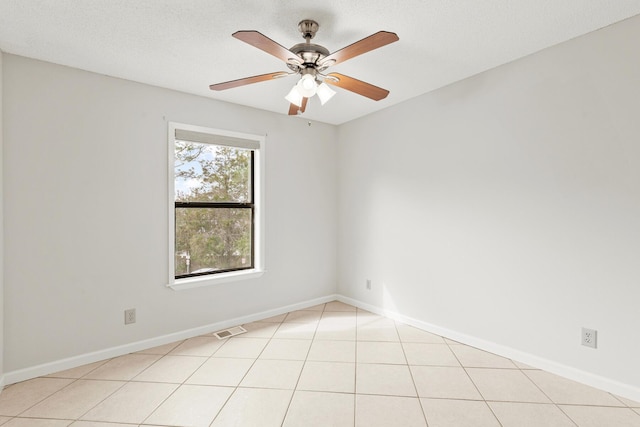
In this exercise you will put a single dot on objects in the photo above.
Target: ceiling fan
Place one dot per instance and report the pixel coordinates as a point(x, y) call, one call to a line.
point(310, 60)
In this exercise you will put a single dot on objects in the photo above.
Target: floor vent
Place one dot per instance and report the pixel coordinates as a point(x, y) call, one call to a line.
point(226, 333)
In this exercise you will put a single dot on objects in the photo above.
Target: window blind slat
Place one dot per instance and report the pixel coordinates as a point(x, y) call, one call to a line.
point(207, 138)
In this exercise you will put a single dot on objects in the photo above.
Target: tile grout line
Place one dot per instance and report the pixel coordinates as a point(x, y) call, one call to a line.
point(474, 384)
point(235, 389)
point(75, 380)
point(304, 362)
point(548, 397)
point(619, 400)
point(185, 380)
point(404, 353)
point(565, 414)
point(119, 388)
point(105, 398)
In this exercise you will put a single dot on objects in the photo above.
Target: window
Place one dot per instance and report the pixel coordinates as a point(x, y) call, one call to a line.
point(216, 187)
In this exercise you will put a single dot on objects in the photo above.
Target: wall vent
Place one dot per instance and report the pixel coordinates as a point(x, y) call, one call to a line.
point(231, 332)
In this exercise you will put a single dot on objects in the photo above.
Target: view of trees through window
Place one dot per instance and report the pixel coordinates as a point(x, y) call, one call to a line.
point(213, 208)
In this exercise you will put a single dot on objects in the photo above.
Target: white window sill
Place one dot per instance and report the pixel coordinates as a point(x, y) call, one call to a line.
point(214, 279)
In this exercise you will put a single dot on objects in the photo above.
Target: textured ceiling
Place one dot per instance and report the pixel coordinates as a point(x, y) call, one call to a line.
point(186, 44)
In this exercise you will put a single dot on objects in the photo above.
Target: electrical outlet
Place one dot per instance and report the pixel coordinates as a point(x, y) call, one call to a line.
point(590, 338)
point(130, 316)
point(368, 284)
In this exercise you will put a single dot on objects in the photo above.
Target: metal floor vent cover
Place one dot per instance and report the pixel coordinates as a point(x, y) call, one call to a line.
point(226, 333)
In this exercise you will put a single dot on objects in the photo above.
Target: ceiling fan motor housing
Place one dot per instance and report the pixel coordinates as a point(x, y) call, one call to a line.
point(309, 53)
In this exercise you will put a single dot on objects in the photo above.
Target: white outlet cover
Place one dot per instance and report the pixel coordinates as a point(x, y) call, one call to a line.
point(589, 338)
point(130, 316)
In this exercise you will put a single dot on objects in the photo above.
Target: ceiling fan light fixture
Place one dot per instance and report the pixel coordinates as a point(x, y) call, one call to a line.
point(308, 61)
point(307, 86)
point(294, 96)
point(325, 93)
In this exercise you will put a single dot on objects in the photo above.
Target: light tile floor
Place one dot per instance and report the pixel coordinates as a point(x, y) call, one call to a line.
point(328, 365)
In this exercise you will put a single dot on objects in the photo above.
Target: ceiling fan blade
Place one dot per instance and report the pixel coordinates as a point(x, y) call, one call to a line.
point(293, 108)
point(357, 86)
point(247, 80)
point(374, 41)
point(265, 44)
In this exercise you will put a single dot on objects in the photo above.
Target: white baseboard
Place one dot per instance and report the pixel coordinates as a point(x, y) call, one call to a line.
point(96, 356)
point(612, 386)
point(602, 383)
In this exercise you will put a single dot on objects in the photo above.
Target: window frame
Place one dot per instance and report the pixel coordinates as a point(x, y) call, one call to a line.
point(257, 189)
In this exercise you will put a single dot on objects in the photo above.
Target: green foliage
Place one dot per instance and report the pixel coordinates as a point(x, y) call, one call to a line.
point(212, 237)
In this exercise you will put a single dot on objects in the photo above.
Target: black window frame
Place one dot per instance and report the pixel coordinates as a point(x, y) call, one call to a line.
point(224, 205)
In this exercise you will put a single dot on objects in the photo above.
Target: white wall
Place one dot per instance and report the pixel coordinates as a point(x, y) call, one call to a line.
point(506, 207)
point(1, 234)
point(86, 212)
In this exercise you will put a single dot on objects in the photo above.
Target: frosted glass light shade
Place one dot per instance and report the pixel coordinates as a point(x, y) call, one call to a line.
point(307, 86)
point(325, 93)
point(294, 96)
